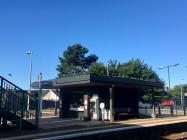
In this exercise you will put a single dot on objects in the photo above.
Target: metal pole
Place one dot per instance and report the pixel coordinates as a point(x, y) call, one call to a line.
point(107, 70)
point(56, 105)
point(40, 94)
point(168, 68)
point(169, 77)
point(30, 78)
point(169, 90)
point(111, 104)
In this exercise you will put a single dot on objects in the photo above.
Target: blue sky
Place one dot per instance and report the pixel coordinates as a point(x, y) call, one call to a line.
point(152, 30)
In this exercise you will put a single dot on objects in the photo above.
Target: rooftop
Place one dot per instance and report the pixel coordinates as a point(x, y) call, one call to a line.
point(83, 80)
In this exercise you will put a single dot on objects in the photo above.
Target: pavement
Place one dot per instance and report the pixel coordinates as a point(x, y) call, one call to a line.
point(52, 127)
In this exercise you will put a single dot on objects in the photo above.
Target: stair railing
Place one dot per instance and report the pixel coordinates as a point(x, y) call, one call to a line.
point(15, 99)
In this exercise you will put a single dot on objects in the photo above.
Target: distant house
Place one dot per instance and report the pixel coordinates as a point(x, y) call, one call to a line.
point(50, 98)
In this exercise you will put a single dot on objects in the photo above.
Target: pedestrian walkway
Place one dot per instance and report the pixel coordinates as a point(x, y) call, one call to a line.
point(52, 127)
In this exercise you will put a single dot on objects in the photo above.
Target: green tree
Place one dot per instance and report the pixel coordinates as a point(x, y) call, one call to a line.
point(113, 68)
point(177, 89)
point(176, 92)
point(147, 97)
point(137, 69)
point(97, 69)
point(74, 61)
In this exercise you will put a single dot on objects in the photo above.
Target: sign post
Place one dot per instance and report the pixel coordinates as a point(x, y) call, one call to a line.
point(102, 106)
point(40, 94)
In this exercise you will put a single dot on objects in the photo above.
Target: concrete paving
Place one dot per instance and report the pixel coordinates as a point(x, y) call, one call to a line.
point(52, 127)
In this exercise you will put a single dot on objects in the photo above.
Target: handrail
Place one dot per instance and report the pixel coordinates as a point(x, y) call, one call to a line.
point(15, 99)
point(13, 84)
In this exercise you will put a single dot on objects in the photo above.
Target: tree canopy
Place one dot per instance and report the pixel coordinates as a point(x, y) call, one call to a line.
point(137, 69)
point(176, 92)
point(133, 69)
point(74, 61)
point(97, 69)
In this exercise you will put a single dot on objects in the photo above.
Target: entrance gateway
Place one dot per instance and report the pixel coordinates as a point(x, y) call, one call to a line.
point(119, 96)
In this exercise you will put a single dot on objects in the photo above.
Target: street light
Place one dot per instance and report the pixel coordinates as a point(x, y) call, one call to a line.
point(30, 76)
point(40, 94)
point(107, 69)
point(168, 68)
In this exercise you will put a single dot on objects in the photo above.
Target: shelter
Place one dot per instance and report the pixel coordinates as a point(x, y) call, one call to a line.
point(119, 95)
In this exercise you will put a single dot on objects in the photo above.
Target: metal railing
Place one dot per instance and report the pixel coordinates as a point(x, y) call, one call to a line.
point(14, 100)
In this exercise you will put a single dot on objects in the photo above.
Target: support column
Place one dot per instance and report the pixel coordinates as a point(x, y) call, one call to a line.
point(153, 105)
point(111, 104)
point(87, 116)
point(60, 105)
point(64, 104)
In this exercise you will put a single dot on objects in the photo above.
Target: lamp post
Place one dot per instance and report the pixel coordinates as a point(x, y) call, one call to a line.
point(107, 69)
point(168, 69)
point(40, 95)
point(30, 76)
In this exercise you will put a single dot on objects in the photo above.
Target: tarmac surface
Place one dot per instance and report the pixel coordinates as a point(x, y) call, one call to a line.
point(53, 126)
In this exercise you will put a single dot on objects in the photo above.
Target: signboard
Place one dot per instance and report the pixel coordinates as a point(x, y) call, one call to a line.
point(102, 105)
point(167, 102)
